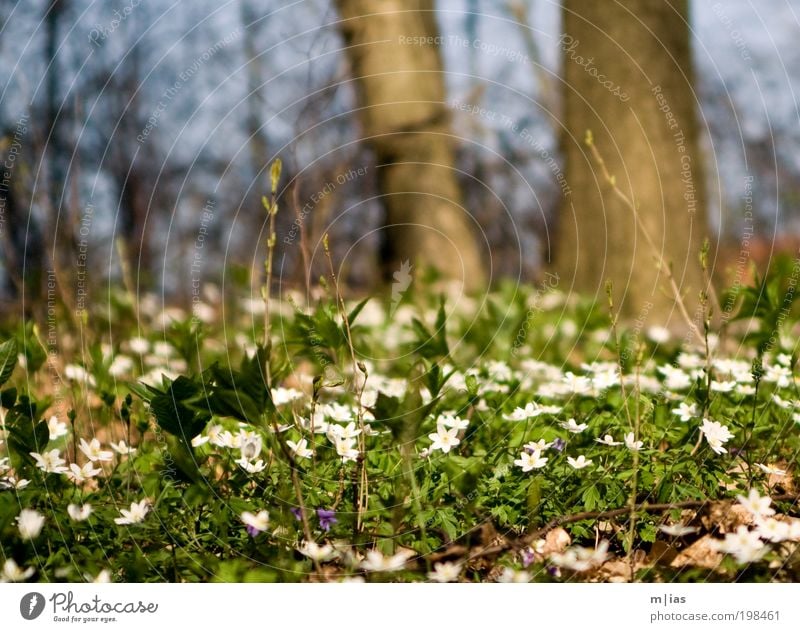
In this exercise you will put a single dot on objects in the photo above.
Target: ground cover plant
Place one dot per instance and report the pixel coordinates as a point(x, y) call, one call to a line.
point(405, 439)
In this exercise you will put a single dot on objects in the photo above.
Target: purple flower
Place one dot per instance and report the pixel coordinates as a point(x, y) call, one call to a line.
point(326, 518)
point(527, 557)
point(252, 531)
point(296, 513)
point(558, 445)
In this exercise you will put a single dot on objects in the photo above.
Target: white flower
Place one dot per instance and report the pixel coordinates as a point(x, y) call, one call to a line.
point(499, 371)
point(657, 334)
point(258, 522)
point(531, 461)
point(163, 349)
point(744, 545)
point(573, 427)
point(631, 443)
point(608, 440)
point(444, 439)
point(451, 421)
point(782, 403)
point(579, 463)
point(771, 470)
point(444, 572)
point(578, 384)
point(512, 576)
point(677, 530)
point(691, 361)
point(338, 412)
point(522, 414)
point(123, 448)
point(757, 505)
point(76, 373)
point(345, 449)
point(316, 422)
point(316, 552)
point(723, 387)
point(80, 475)
point(580, 559)
point(251, 467)
point(135, 514)
point(121, 365)
point(219, 437)
point(282, 396)
point(716, 434)
point(50, 461)
point(57, 428)
point(249, 445)
point(336, 431)
point(139, 345)
point(300, 448)
point(537, 446)
point(79, 514)
point(13, 573)
point(675, 379)
point(29, 523)
point(376, 562)
point(779, 375)
point(794, 530)
point(93, 452)
point(605, 379)
point(11, 482)
point(197, 441)
point(103, 577)
point(773, 530)
point(685, 411)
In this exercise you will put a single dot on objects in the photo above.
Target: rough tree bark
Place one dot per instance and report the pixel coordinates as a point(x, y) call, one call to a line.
point(394, 56)
point(628, 78)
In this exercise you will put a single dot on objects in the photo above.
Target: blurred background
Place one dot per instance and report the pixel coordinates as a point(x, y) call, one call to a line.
point(137, 136)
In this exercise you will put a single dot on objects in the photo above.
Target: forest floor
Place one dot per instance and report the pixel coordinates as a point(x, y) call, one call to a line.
point(522, 437)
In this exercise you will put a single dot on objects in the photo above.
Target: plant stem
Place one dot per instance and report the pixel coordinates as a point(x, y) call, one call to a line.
point(363, 481)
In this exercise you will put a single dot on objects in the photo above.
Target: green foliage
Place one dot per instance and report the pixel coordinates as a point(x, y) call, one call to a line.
point(179, 406)
point(8, 359)
point(421, 447)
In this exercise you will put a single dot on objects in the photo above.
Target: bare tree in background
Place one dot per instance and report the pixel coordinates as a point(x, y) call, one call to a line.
point(398, 71)
point(628, 78)
point(57, 150)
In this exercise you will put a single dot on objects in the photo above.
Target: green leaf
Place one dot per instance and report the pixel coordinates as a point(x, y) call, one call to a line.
point(179, 409)
point(591, 498)
point(8, 397)
point(648, 532)
point(8, 359)
point(241, 394)
point(351, 317)
point(24, 434)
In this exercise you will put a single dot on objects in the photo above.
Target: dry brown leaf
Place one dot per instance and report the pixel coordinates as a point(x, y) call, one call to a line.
point(702, 553)
point(662, 553)
point(556, 541)
point(725, 516)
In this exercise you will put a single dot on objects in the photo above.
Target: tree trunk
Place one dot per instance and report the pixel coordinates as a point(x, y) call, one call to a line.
point(628, 78)
point(404, 117)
